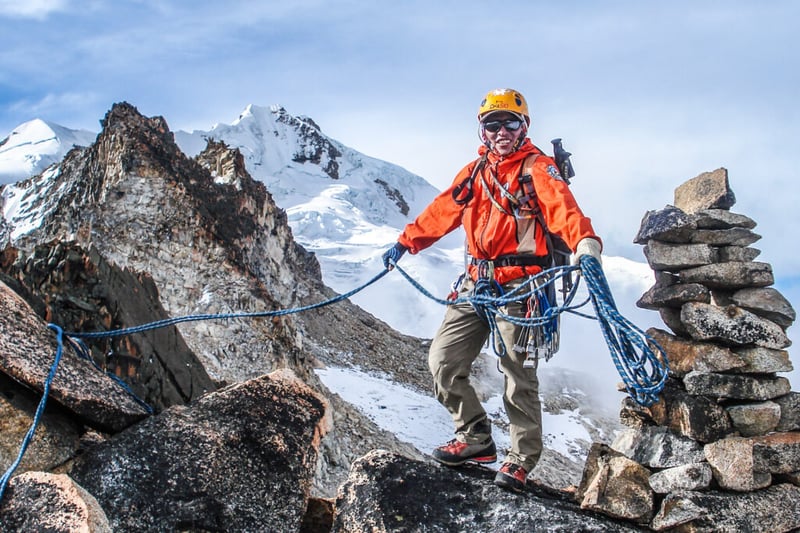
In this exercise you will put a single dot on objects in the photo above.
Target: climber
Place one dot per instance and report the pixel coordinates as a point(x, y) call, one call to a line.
point(488, 198)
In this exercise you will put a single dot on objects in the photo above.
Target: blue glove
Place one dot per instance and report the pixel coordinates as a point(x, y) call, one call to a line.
point(393, 255)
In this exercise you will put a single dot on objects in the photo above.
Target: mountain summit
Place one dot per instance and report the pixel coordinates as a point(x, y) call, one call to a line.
point(35, 145)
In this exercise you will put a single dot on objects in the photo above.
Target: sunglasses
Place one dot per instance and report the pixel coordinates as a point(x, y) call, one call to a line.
point(494, 126)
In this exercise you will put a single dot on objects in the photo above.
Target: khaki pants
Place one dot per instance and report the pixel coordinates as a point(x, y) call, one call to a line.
point(454, 348)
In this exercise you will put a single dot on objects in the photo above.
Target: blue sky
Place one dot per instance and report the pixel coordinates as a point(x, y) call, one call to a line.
point(645, 94)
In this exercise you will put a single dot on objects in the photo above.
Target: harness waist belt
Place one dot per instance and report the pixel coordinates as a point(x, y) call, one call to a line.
point(542, 261)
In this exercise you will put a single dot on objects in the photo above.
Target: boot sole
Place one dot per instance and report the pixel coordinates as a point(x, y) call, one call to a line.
point(485, 459)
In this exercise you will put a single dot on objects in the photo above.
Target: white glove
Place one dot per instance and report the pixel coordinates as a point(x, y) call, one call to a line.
point(587, 246)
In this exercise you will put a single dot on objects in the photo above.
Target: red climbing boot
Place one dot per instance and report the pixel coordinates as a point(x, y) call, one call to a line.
point(511, 477)
point(456, 453)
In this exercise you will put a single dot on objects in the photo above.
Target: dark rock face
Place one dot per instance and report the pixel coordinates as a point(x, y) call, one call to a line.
point(387, 492)
point(316, 147)
point(38, 501)
point(240, 459)
point(81, 292)
point(27, 354)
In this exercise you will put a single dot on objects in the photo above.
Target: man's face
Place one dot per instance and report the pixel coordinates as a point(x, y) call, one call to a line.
point(502, 130)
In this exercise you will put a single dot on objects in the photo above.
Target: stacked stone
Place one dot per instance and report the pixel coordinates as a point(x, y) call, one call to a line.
point(720, 451)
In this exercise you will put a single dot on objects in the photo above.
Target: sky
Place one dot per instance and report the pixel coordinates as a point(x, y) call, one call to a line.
point(645, 94)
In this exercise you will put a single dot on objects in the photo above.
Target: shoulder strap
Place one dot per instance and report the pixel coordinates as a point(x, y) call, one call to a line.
point(459, 196)
point(528, 200)
point(530, 204)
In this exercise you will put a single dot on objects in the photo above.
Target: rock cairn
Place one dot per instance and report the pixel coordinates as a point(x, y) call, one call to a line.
point(720, 451)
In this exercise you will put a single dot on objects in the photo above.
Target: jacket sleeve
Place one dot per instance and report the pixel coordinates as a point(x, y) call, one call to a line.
point(561, 212)
point(442, 216)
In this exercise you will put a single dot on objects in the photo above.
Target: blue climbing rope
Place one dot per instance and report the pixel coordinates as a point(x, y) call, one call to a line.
point(639, 359)
point(39, 411)
point(642, 369)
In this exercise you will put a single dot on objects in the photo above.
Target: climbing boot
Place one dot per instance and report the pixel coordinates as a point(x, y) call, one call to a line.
point(456, 453)
point(512, 477)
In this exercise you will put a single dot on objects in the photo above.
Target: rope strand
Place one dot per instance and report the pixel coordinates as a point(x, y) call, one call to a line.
point(643, 370)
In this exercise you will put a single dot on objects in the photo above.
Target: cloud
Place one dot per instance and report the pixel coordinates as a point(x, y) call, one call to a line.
point(31, 9)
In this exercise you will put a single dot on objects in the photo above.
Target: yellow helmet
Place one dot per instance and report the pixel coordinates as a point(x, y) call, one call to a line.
point(504, 100)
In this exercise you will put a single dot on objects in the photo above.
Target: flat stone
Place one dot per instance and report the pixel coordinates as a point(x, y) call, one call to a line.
point(709, 190)
point(735, 386)
point(730, 275)
point(732, 462)
point(753, 419)
point(722, 219)
point(657, 447)
point(669, 224)
point(737, 254)
point(687, 355)
point(674, 296)
point(776, 508)
point(766, 302)
point(731, 325)
point(694, 476)
point(671, 257)
point(760, 360)
point(725, 237)
point(777, 453)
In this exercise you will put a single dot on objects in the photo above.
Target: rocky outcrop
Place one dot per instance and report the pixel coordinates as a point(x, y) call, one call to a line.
point(38, 501)
point(724, 439)
point(81, 292)
point(27, 352)
point(129, 230)
point(387, 492)
point(242, 456)
point(235, 460)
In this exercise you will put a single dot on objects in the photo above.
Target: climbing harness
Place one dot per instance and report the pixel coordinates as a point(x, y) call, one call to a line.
point(640, 361)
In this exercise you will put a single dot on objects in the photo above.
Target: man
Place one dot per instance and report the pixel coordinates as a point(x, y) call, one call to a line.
point(505, 246)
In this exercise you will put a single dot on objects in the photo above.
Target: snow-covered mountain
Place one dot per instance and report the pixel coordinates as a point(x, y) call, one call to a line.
point(348, 208)
point(35, 145)
point(344, 206)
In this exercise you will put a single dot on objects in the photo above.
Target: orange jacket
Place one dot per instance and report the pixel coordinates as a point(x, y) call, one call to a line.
point(492, 233)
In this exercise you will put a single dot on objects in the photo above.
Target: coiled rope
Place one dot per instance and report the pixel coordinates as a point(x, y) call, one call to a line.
point(643, 370)
point(639, 360)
